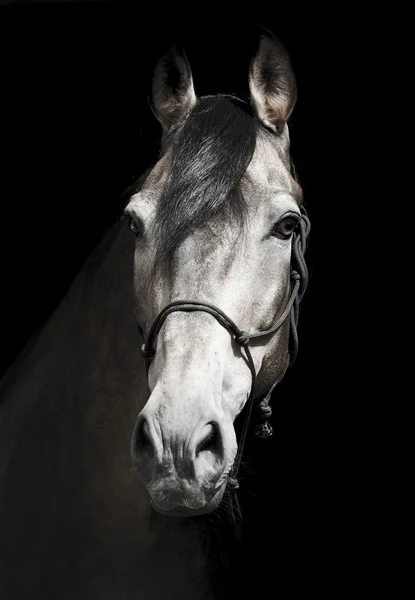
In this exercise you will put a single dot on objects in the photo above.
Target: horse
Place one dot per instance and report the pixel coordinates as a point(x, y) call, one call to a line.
point(107, 456)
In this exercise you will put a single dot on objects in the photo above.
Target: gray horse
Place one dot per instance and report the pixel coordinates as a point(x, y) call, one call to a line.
point(214, 222)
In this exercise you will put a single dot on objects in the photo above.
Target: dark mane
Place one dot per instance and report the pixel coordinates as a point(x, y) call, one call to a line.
point(210, 153)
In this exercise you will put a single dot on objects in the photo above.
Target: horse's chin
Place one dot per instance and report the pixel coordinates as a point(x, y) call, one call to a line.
point(184, 511)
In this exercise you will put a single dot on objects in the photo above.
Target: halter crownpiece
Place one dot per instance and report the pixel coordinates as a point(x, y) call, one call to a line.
point(299, 282)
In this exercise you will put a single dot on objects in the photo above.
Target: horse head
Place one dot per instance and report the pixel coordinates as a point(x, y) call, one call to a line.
point(215, 226)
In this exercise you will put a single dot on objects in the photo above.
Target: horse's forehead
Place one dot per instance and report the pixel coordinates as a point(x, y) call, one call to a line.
point(269, 168)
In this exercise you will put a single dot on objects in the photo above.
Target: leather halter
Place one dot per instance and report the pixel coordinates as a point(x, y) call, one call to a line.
point(299, 281)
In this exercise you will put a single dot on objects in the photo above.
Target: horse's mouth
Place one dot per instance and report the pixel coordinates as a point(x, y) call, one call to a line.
point(181, 510)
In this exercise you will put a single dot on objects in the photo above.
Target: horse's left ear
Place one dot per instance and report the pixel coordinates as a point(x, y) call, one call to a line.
point(272, 83)
point(173, 92)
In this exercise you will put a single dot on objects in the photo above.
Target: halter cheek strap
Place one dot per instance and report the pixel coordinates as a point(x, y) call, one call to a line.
point(299, 281)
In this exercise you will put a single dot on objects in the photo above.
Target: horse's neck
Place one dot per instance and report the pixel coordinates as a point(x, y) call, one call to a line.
point(69, 498)
point(88, 338)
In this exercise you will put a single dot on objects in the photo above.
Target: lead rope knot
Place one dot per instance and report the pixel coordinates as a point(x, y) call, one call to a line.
point(264, 430)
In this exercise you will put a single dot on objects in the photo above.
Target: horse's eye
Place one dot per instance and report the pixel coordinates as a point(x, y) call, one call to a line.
point(133, 225)
point(284, 228)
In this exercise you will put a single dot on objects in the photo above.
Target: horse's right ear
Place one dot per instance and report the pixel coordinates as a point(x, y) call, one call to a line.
point(173, 92)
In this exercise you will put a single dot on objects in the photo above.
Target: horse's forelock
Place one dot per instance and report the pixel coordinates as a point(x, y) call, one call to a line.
point(210, 153)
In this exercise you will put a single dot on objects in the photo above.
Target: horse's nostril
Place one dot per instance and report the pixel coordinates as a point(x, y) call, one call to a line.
point(211, 441)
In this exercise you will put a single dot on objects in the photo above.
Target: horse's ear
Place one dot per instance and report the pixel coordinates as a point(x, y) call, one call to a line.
point(272, 83)
point(173, 92)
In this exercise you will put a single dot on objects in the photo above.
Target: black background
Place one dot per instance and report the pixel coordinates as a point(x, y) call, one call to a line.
point(76, 130)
